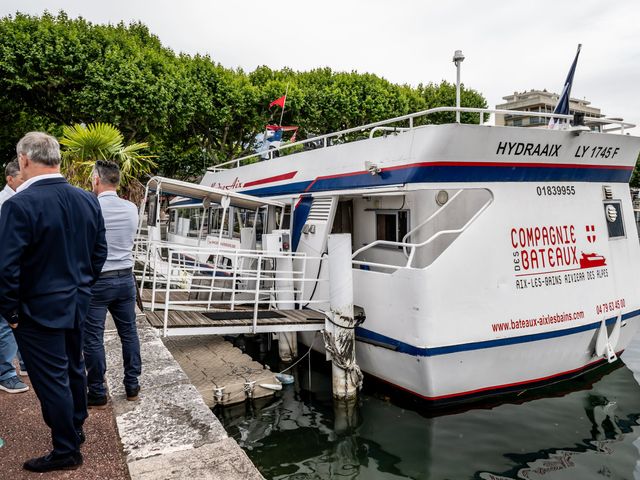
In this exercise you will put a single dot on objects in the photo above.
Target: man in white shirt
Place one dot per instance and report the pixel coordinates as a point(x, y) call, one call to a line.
point(9, 381)
point(114, 291)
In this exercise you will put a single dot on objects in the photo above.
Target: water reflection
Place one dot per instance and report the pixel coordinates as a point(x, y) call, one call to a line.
point(581, 430)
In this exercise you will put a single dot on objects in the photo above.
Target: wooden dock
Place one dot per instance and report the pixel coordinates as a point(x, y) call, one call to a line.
point(214, 365)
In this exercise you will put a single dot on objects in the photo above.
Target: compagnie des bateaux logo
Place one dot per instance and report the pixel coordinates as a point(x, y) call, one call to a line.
point(550, 255)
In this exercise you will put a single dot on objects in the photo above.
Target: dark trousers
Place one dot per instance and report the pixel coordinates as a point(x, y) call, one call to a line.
point(118, 296)
point(53, 358)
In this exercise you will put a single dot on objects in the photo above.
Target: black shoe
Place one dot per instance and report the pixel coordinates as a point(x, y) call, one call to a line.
point(132, 393)
point(81, 436)
point(54, 462)
point(96, 401)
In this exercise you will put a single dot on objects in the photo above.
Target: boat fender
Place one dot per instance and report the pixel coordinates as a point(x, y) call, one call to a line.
point(271, 386)
point(285, 378)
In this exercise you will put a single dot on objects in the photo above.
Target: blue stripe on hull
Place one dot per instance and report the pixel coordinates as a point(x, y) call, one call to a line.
point(399, 346)
point(448, 174)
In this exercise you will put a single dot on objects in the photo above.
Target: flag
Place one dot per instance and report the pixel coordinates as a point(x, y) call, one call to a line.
point(562, 107)
point(280, 102)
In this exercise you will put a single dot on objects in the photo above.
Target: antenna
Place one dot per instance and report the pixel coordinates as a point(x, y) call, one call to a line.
point(458, 58)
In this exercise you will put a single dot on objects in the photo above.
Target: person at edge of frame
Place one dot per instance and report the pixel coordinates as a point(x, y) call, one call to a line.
point(9, 381)
point(53, 245)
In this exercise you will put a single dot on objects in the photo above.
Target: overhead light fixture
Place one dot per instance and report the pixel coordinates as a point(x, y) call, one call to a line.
point(442, 197)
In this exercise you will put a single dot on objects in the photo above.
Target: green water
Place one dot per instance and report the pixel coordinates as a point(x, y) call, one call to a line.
point(585, 429)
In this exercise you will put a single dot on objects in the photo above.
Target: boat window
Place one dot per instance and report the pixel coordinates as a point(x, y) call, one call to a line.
point(195, 218)
point(215, 222)
point(343, 220)
point(392, 225)
point(182, 222)
point(171, 226)
point(186, 222)
point(151, 214)
point(260, 222)
point(239, 220)
point(286, 220)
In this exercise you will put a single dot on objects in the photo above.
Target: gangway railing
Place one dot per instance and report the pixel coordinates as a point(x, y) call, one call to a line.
point(324, 141)
point(235, 280)
point(412, 247)
point(140, 255)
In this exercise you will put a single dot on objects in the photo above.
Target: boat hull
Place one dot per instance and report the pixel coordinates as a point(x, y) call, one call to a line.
point(467, 375)
point(513, 293)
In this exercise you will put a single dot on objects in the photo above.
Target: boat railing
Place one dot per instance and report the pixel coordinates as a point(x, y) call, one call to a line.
point(329, 139)
point(205, 279)
point(411, 247)
point(429, 219)
point(395, 130)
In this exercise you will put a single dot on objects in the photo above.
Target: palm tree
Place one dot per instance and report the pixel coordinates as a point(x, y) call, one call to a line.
point(84, 144)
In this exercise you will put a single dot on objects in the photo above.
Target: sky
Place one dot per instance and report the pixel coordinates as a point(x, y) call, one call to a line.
point(509, 45)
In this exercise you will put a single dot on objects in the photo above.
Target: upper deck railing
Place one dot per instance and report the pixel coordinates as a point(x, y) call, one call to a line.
point(327, 140)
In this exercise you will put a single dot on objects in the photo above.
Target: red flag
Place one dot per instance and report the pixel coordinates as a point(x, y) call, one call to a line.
point(280, 102)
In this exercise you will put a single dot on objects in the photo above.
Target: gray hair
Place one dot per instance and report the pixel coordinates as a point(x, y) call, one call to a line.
point(12, 169)
point(40, 148)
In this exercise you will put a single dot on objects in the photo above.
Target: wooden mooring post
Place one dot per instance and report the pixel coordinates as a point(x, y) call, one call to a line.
point(339, 332)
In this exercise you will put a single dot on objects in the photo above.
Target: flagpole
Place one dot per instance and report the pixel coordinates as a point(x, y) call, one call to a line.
point(284, 103)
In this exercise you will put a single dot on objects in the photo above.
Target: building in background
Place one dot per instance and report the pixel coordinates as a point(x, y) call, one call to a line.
point(538, 101)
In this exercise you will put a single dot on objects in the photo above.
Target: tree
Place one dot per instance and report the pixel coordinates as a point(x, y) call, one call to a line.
point(84, 145)
point(635, 176)
point(444, 94)
point(191, 111)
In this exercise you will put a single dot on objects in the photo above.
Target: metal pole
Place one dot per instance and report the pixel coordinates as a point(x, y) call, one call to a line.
point(166, 297)
point(457, 91)
point(256, 299)
point(284, 103)
point(458, 57)
point(285, 300)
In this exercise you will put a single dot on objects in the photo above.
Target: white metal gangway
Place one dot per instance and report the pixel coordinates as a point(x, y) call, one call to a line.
point(231, 291)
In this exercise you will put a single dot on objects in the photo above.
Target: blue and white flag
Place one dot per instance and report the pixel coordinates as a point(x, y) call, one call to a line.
point(562, 107)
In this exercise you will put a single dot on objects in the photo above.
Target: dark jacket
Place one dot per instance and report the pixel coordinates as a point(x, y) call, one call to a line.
point(52, 248)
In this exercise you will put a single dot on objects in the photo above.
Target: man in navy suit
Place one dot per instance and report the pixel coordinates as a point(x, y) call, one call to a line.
point(52, 240)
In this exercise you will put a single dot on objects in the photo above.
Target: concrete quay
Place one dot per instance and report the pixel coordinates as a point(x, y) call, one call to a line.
point(169, 433)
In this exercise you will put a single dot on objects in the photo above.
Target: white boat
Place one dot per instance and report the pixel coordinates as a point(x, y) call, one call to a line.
point(487, 259)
